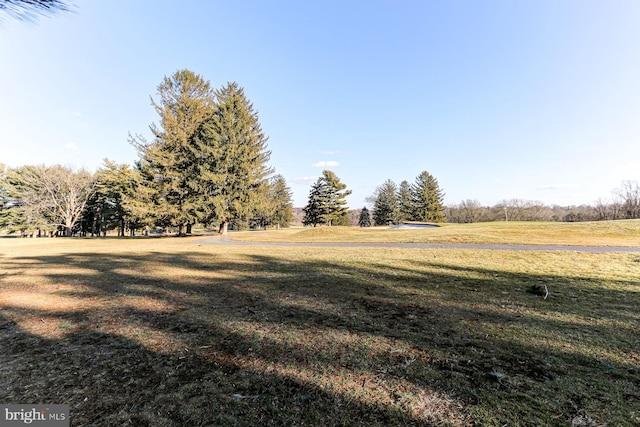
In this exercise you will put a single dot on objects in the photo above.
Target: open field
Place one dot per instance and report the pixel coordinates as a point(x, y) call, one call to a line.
point(169, 332)
point(609, 233)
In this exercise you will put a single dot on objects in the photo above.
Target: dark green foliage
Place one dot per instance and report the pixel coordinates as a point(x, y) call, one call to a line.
point(335, 199)
point(232, 168)
point(113, 203)
point(169, 164)
point(327, 203)
point(280, 200)
point(421, 201)
point(385, 206)
point(208, 161)
point(314, 211)
point(27, 10)
point(11, 217)
point(365, 218)
point(405, 207)
point(427, 199)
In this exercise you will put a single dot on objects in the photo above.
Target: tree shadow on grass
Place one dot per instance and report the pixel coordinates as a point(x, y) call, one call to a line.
point(202, 339)
point(108, 379)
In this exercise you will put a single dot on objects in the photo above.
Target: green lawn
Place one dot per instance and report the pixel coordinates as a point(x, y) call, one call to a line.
point(170, 332)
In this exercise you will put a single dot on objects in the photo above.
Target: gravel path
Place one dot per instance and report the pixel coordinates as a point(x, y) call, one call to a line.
point(495, 247)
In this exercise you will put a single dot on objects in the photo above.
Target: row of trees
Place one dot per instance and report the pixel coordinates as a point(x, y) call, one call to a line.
point(43, 199)
point(206, 164)
point(624, 204)
point(421, 201)
point(56, 200)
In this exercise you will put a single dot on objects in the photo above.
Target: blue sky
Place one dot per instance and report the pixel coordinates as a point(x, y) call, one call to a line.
point(536, 100)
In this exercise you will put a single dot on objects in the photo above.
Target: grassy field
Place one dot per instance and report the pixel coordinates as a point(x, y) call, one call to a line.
point(166, 332)
point(610, 233)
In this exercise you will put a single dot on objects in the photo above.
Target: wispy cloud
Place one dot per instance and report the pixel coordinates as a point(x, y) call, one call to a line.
point(71, 145)
point(330, 152)
point(76, 113)
point(558, 187)
point(305, 180)
point(326, 164)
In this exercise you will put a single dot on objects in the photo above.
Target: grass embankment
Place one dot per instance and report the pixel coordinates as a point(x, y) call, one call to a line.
point(609, 233)
point(164, 332)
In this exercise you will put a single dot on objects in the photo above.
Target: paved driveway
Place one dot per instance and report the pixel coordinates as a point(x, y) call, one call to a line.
point(495, 247)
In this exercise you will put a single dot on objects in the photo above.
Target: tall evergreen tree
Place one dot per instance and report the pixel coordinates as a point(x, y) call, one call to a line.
point(18, 210)
point(427, 199)
point(108, 208)
point(280, 198)
point(385, 206)
point(327, 201)
point(169, 163)
point(405, 205)
point(315, 209)
point(335, 199)
point(365, 218)
point(233, 157)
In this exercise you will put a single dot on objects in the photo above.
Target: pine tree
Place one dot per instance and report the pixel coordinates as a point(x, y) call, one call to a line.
point(427, 199)
point(17, 214)
point(168, 165)
point(365, 218)
point(108, 208)
point(385, 206)
point(315, 210)
point(280, 198)
point(327, 201)
point(335, 199)
point(405, 205)
point(233, 156)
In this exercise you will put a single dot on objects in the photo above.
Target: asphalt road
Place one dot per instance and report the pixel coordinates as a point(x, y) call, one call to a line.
point(494, 247)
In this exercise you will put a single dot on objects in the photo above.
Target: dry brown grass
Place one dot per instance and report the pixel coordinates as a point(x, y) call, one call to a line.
point(605, 233)
point(168, 332)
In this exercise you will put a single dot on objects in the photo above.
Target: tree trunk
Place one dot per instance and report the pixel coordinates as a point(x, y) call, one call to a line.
point(189, 228)
point(224, 226)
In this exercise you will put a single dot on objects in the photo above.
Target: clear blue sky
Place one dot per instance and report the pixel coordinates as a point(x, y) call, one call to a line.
point(537, 100)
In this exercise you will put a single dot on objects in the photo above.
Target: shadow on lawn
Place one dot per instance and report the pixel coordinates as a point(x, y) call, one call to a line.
point(259, 340)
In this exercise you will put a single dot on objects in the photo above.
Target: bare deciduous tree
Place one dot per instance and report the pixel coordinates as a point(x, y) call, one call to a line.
point(629, 196)
point(467, 211)
point(47, 196)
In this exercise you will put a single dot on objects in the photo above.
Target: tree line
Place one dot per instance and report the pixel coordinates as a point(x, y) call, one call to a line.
point(207, 163)
point(623, 204)
point(421, 201)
